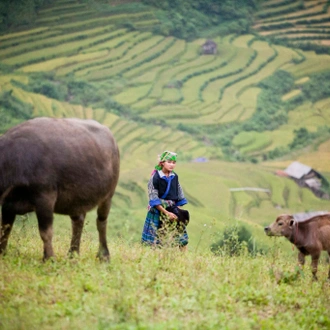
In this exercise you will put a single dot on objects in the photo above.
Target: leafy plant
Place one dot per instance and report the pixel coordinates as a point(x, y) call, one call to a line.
point(236, 239)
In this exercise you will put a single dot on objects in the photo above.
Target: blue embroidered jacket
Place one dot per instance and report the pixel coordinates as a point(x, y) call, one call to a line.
point(162, 187)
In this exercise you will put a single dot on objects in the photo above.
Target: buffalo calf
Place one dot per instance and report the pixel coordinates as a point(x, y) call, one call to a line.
point(311, 236)
point(65, 166)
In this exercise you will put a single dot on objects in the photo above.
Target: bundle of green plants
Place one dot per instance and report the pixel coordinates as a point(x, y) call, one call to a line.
point(236, 240)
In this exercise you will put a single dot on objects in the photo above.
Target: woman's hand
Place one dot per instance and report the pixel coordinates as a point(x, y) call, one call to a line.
point(171, 215)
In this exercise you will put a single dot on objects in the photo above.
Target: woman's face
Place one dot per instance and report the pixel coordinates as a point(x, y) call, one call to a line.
point(168, 166)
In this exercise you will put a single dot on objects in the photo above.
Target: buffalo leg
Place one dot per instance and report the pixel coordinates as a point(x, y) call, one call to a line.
point(77, 228)
point(101, 223)
point(7, 221)
point(301, 259)
point(315, 261)
point(44, 211)
point(329, 266)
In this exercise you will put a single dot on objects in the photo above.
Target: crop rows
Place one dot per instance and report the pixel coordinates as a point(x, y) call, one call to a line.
point(298, 21)
point(164, 80)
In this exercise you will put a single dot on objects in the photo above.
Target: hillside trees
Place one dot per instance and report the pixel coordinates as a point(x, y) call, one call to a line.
point(18, 12)
point(270, 113)
point(12, 111)
point(189, 19)
point(318, 87)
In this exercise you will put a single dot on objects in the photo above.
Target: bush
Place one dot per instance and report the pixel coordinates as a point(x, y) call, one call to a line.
point(236, 239)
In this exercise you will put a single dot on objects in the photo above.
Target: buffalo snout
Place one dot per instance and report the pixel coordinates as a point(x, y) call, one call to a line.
point(268, 231)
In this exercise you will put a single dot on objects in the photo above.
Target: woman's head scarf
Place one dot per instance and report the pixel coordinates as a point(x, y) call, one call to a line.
point(166, 155)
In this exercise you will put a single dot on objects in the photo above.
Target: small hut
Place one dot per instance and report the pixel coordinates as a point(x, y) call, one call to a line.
point(307, 177)
point(209, 47)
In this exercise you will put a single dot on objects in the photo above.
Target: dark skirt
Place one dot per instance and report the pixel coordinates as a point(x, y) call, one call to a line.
point(150, 235)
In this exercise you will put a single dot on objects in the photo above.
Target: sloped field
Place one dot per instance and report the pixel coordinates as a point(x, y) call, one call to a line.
point(175, 94)
point(295, 21)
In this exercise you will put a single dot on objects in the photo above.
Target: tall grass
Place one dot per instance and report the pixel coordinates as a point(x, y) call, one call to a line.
point(144, 288)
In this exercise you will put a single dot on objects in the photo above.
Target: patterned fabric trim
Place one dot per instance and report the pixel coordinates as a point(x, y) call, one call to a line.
point(155, 202)
point(181, 202)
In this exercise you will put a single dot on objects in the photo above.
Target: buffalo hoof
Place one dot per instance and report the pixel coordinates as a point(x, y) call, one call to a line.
point(103, 255)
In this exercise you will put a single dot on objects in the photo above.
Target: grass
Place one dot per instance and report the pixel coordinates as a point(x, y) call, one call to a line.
point(59, 50)
point(248, 98)
point(274, 11)
point(297, 19)
point(144, 288)
point(23, 33)
point(174, 51)
point(28, 38)
point(56, 63)
point(243, 58)
point(319, 158)
point(50, 41)
point(132, 94)
point(135, 53)
point(311, 11)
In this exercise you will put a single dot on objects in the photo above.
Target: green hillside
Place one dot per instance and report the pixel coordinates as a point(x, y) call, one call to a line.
point(142, 72)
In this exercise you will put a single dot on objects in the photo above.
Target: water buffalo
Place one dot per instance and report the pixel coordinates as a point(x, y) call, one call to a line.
point(311, 236)
point(65, 166)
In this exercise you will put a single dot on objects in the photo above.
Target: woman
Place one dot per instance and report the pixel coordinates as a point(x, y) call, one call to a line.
point(164, 190)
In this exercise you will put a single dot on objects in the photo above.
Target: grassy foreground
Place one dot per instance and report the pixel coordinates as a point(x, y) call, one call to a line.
point(143, 288)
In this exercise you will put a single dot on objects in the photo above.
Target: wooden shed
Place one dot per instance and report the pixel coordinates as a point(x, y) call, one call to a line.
point(307, 177)
point(209, 47)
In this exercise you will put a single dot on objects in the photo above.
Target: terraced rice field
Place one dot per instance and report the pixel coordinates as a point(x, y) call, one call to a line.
point(167, 82)
point(296, 22)
point(161, 71)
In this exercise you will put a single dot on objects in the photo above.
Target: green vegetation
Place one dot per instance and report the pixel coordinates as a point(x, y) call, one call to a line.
point(299, 24)
point(12, 111)
point(272, 112)
point(235, 241)
point(191, 19)
point(14, 13)
point(144, 288)
point(269, 113)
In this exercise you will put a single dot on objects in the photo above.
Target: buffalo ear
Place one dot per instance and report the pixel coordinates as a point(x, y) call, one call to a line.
point(291, 223)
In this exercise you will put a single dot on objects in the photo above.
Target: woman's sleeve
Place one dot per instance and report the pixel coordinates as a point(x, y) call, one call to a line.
point(181, 199)
point(153, 193)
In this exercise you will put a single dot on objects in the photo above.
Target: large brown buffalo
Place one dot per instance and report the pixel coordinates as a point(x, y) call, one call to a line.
point(311, 236)
point(65, 166)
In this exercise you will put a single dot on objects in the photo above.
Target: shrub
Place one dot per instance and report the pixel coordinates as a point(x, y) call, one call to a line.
point(236, 239)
